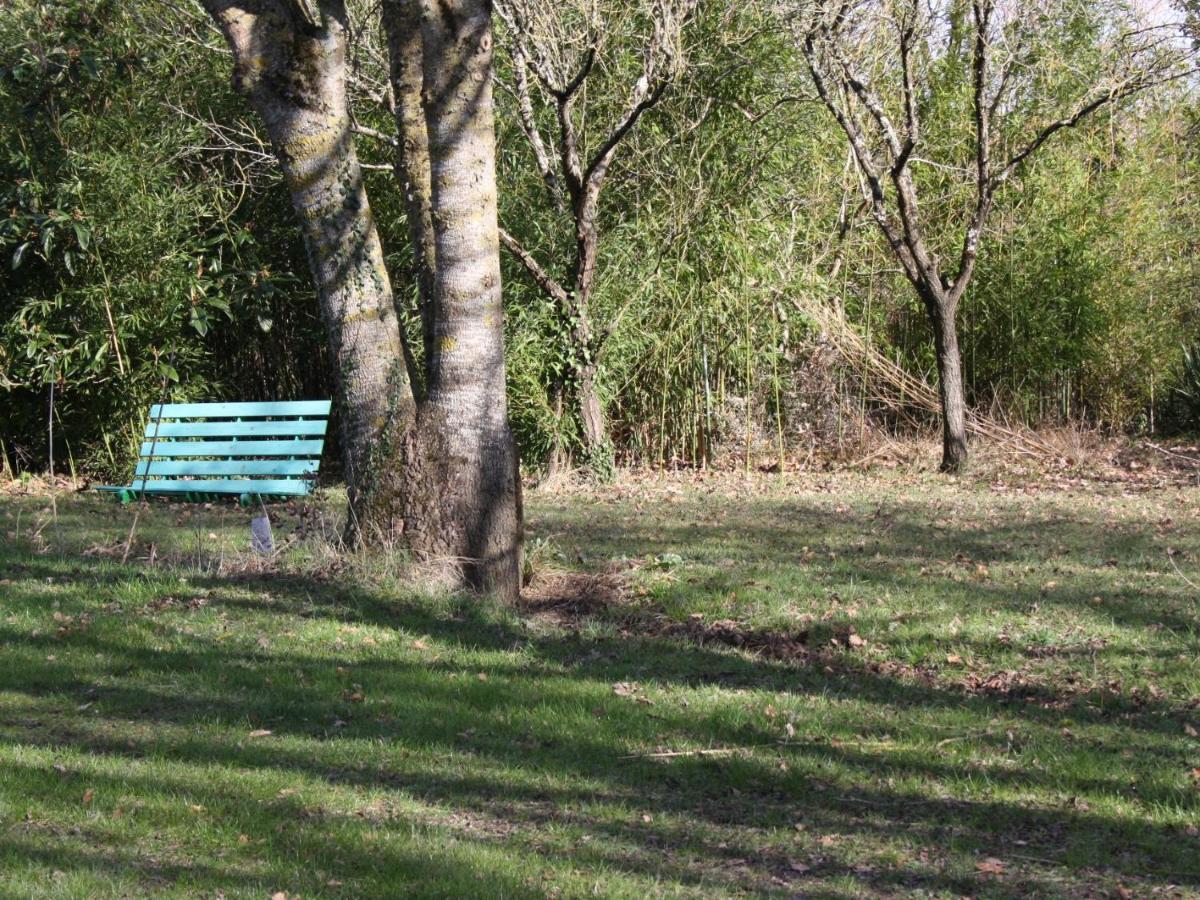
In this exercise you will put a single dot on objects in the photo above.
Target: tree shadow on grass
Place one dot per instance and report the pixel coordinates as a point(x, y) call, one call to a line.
point(884, 549)
point(473, 755)
point(708, 814)
point(281, 832)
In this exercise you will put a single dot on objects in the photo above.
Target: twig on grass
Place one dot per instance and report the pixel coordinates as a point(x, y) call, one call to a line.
point(670, 754)
point(1175, 566)
point(964, 737)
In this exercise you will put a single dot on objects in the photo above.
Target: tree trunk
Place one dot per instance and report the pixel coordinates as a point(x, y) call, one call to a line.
point(294, 73)
point(950, 385)
point(559, 458)
point(591, 410)
point(594, 433)
point(462, 499)
point(402, 22)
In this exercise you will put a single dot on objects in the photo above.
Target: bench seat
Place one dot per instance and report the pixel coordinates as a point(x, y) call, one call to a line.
point(201, 451)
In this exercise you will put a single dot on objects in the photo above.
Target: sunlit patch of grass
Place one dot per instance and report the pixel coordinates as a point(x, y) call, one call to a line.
point(983, 690)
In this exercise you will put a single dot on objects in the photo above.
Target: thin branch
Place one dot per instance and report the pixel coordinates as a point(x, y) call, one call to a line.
point(375, 134)
point(529, 125)
point(543, 279)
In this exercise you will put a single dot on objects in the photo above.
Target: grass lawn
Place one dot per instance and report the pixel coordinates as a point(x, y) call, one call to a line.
point(820, 685)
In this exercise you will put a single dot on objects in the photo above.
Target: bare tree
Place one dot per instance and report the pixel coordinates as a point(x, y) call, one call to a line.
point(872, 64)
point(555, 47)
point(290, 62)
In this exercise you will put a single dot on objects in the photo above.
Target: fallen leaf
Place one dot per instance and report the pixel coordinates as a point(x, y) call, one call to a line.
point(279, 895)
point(798, 866)
point(260, 732)
point(243, 838)
point(1190, 730)
point(420, 645)
point(87, 796)
point(855, 641)
point(990, 866)
point(954, 659)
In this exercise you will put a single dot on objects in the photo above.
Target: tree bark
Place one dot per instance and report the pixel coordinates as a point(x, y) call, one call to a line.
point(462, 500)
point(950, 385)
point(559, 458)
point(587, 369)
point(402, 23)
point(293, 71)
point(591, 409)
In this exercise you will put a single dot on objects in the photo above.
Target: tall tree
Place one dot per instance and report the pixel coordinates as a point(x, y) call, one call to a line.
point(454, 487)
point(290, 63)
point(875, 67)
point(557, 45)
point(442, 475)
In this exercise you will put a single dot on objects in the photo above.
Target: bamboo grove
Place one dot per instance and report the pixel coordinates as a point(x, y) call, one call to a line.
point(693, 270)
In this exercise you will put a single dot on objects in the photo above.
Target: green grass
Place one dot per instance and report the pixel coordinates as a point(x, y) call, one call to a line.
point(1015, 714)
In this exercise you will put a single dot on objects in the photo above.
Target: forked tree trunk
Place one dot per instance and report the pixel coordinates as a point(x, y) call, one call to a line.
point(461, 495)
point(950, 385)
point(293, 71)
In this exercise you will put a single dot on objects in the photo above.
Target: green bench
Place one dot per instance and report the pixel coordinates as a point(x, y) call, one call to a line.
point(204, 451)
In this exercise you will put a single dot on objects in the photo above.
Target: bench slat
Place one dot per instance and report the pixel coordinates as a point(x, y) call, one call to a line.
point(234, 410)
point(280, 467)
point(177, 455)
point(233, 448)
point(233, 429)
point(253, 486)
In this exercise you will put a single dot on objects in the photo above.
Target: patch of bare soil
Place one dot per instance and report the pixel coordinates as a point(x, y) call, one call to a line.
point(568, 598)
point(765, 642)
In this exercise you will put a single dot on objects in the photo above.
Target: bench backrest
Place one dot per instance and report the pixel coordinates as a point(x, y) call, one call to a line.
point(256, 448)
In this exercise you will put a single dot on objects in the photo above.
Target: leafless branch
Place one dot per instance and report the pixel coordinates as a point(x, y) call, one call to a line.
point(539, 275)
